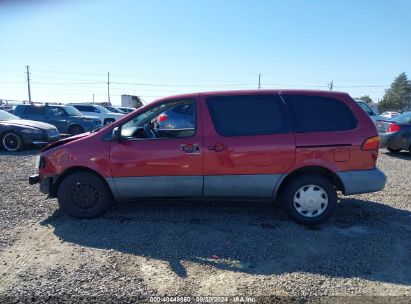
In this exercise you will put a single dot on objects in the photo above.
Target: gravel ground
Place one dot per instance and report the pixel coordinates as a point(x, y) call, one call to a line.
point(203, 248)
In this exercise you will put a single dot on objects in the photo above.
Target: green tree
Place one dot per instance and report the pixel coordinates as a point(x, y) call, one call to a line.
point(398, 95)
point(366, 98)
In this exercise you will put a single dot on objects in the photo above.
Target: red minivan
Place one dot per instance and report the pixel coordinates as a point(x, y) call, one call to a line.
point(301, 146)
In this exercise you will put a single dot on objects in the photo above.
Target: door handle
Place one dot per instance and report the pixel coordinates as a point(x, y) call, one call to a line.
point(190, 148)
point(218, 147)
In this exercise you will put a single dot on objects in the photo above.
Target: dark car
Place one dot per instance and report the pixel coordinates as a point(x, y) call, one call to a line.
point(15, 133)
point(67, 119)
point(395, 133)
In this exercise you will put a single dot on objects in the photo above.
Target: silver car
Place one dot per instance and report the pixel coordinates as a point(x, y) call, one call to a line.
point(178, 117)
point(373, 115)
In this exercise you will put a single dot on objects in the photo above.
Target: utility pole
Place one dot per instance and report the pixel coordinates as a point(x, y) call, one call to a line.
point(259, 81)
point(28, 82)
point(93, 97)
point(331, 85)
point(108, 88)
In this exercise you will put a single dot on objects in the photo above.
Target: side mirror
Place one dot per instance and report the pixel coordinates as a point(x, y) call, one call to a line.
point(116, 134)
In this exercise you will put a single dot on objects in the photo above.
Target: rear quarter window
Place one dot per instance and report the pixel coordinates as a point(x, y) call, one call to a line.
point(34, 110)
point(248, 115)
point(86, 108)
point(319, 114)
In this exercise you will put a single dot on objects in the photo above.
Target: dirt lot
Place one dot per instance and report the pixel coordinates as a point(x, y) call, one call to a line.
point(198, 248)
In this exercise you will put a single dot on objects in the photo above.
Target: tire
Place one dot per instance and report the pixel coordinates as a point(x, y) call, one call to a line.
point(75, 130)
point(84, 195)
point(393, 150)
point(12, 142)
point(319, 203)
point(108, 121)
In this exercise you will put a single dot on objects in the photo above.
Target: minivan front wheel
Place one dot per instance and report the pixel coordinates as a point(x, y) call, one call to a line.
point(84, 195)
point(309, 199)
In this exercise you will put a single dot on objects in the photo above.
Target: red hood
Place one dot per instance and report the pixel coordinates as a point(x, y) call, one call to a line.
point(64, 141)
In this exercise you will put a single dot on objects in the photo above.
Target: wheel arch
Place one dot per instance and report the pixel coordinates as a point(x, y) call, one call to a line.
point(318, 170)
point(59, 179)
point(74, 124)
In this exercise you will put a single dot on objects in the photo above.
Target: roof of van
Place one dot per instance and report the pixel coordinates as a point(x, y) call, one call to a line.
point(252, 92)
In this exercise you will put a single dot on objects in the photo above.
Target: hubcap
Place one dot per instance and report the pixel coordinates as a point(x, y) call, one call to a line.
point(11, 142)
point(310, 200)
point(85, 196)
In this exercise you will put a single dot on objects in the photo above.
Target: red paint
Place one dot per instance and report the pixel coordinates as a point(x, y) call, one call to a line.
point(217, 155)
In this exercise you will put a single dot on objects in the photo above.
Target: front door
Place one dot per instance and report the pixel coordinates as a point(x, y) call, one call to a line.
point(248, 144)
point(57, 117)
point(149, 161)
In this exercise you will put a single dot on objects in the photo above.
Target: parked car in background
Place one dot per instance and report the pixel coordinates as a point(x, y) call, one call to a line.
point(256, 144)
point(390, 114)
point(16, 133)
point(371, 113)
point(106, 117)
point(7, 108)
point(179, 117)
point(126, 109)
point(395, 133)
point(67, 119)
point(114, 109)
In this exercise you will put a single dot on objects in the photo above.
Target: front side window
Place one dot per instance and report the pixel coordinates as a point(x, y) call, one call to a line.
point(162, 121)
point(248, 115)
point(366, 108)
point(319, 114)
point(55, 111)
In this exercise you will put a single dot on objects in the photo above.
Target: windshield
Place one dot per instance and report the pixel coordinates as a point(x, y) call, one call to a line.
point(366, 108)
point(72, 111)
point(113, 109)
point(403, 118)
point(7, 116)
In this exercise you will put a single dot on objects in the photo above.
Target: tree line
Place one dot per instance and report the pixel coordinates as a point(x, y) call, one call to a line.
point(397, 97)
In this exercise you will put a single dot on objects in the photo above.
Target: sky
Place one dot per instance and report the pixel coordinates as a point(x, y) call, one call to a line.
point(157, 48)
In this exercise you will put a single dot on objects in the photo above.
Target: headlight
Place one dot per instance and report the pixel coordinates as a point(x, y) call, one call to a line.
point(40, 162)
point(31, 131)
point(37, 161)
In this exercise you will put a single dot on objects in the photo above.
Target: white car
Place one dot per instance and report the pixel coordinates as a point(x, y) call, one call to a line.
point(105, 115)
point(126, 109)
point(390, 114)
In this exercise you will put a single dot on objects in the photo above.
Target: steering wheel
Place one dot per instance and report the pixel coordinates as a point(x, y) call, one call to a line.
point(149, 132)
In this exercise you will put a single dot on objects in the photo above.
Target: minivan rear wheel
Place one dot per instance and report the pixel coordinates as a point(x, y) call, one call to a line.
point(84, 195)
point(309, 199)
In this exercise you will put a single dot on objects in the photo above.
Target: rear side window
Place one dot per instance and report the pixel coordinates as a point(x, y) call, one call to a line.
point(34, 110)
point(319, 114)
point(248, 115)
point(86, 108)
